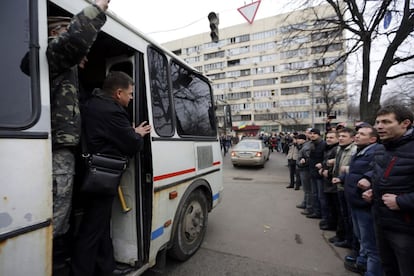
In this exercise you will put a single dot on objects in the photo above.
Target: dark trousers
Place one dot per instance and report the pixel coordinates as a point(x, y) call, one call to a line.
point(316, 192)
point(346, 219)
point(298, 182)
point(306, 186)
point(292, 171)
point(93, 252)
point(332, 204)
point(396, 252)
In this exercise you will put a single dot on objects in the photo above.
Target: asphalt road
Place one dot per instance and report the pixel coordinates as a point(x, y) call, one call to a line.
point(257, 230)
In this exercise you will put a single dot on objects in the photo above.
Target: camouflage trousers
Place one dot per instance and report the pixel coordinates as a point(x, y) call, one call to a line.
point(63, 176)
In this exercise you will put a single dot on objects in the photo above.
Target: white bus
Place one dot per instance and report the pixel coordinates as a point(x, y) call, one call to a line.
point(169, 187)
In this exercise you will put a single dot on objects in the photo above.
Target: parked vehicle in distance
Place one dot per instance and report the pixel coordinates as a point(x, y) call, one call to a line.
point(249, 152)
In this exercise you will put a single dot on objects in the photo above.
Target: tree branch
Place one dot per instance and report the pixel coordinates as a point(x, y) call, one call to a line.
point(400, 75)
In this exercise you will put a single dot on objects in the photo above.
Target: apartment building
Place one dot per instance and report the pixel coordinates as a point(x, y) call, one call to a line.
point(277, 74)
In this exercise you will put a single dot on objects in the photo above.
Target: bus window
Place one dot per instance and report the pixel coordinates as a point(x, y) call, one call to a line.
point(19, 102)
point(193, 103)
point(161, 101)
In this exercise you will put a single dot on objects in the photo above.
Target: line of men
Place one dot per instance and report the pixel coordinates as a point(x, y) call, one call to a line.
point(360, 183)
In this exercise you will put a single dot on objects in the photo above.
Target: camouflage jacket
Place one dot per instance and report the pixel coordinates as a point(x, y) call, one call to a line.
point(64, 53)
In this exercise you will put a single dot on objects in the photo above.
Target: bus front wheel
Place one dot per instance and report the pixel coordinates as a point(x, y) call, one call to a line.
point(191, 227)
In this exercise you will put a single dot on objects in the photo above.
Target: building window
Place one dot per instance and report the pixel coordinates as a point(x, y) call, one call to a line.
point(237, 96)
point(266, 117)
point(263, 93)
point(294, 78)
point(239, 39)
point(326, 48)
point(266, 70)
point(294, 53)
point(219, 54)
point(294, 27)
point(214, 66)
point(238, 51)
point(239, 84)
point(191, 60)
point(263, 82)
point(217, 76)
point(234, 62)
point(264, 46)
point(294, 102)
point(295, 115)
point(191, 50)
point(294, 90)
point(245, 72)
point(264, 34)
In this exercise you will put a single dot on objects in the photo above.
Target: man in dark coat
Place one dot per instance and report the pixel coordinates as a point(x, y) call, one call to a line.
point(329, 189)
point(316, 156)
point(108, 131)
point(368, 259)
point(392, 190)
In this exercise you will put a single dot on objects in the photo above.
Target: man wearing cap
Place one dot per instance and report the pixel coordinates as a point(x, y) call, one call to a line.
point(69, 43)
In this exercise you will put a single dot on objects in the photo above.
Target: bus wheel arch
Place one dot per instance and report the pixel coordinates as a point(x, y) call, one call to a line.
point(190, 222)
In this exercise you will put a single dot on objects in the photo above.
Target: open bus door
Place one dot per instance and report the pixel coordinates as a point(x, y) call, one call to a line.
point(131, 214)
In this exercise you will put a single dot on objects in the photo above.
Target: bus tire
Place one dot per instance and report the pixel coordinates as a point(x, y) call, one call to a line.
point(191, 227)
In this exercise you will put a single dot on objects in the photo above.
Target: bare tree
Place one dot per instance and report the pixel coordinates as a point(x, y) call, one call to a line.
point(405, 95)
point(331, 91)
point(363, 22)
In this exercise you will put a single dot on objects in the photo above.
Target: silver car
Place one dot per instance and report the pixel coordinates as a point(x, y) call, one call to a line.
point(250, 152)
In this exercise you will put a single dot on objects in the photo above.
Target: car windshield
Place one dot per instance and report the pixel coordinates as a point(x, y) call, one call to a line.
point(248, 145)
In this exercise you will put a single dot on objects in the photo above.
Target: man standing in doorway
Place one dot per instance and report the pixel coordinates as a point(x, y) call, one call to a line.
point(69, 43)
point(107, 130)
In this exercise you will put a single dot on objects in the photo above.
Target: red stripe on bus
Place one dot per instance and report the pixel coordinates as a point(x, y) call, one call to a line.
point(168, 175)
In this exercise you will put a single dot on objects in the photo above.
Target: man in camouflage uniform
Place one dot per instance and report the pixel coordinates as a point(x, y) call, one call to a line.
point(69, 43)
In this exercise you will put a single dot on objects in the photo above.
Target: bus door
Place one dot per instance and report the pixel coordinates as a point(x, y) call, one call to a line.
point(131, 214)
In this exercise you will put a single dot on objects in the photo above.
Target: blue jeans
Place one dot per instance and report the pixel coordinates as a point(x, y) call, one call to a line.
point(396, 252)
point(363, 224)
point(317, 194)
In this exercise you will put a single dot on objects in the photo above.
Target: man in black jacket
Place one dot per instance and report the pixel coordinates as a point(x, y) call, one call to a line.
point(317, 148)
point(108, 131)
point(329, 189)
point(392, 190)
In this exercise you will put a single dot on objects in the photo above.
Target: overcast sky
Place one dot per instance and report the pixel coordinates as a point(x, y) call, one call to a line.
point(166, 20)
